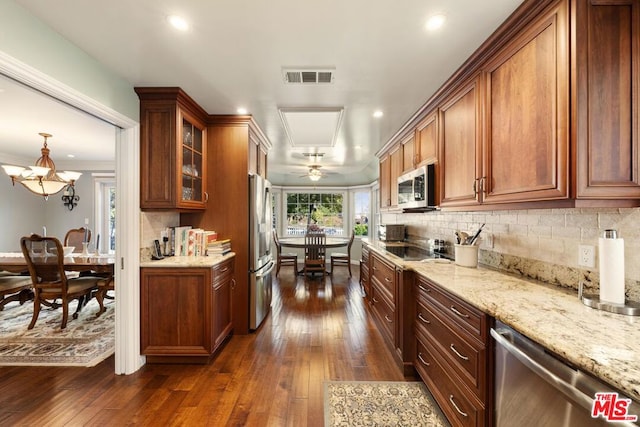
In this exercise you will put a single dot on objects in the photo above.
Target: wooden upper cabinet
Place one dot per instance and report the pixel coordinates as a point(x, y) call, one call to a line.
point(607, 93)
point(526, 143)
point(385, 182)
point(396, 171)
point(262, 162)
point(427, 140)
point(460, 136)
point(173, 150)
point(409, 150)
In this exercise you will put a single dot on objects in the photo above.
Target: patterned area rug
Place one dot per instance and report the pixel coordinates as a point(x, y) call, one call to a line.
point(372, 403)
point(86, 341)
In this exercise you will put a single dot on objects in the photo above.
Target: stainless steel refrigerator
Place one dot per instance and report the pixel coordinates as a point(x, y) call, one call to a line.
point(260, 258)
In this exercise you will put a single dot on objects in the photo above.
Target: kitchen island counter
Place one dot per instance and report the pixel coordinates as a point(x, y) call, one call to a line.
point(604, 344)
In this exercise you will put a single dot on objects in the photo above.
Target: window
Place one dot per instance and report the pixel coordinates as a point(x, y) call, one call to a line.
point(361, 213)
point(323, 210)
point(106, 213)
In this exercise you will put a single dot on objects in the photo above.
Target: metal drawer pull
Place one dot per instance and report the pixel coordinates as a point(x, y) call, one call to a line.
point(458, 313)
point(375, 300)
point(457, 353)
point(422, 288)
point(464, 414)
point(386, 279)
point(224, 270)
point(423, 319)
point(424, 362)
point(387, 318)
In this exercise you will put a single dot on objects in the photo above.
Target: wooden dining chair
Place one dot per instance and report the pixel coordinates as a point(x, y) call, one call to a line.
point(314, 253)
point(75, 237)
point(14, 287)
point(339, 258)
point(289, 258)
point(104, 286)
point(49, 280)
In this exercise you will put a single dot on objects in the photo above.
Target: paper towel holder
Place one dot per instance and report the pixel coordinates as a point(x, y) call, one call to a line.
point(629, 308)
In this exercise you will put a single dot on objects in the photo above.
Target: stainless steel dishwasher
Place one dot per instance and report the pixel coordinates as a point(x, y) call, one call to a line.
point(534, 388)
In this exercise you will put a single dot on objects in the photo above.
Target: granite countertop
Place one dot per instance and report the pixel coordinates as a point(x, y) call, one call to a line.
point(188, 261)
point(604, 344)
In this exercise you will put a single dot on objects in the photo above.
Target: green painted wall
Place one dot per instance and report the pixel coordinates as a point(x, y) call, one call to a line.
point(29, 40)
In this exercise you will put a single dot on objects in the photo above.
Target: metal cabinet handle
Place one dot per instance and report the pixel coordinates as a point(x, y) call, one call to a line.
point(458, 313)
point(475, 186)
point(422, 288)
point(375, 300)
point(424, 362)
point(224, 270)
point(386, 279)
point(458, 353)
point(206, 196)
point(464, 414)
point(387, 318)
point(483, 187)
point(423, 319)
point(233, 283)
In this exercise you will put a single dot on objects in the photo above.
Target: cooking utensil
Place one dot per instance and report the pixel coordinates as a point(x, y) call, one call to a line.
point(475, 236)
point(463, 237)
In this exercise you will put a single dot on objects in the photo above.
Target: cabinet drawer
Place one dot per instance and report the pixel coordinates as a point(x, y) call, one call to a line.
point(384, 273)
point(465, 355)
point(460, 408)
point(462, 313)
point(384, 310)
point(223, 271)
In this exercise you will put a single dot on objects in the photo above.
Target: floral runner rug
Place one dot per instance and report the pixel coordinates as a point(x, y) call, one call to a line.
point(380, 403)
point(86, 341)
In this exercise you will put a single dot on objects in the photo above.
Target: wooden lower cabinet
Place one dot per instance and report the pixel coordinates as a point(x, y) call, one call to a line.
point(453, 354)
point(185, 313)
point(365, 281)
point(390, 301)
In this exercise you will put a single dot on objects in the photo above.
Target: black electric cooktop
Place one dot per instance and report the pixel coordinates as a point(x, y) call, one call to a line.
point(412, 253)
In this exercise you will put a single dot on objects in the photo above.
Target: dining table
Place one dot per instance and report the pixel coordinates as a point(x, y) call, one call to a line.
point(14, 262)
point(299, 243)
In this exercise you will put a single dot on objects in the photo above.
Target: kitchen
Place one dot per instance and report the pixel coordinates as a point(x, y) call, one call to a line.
point(544, 236)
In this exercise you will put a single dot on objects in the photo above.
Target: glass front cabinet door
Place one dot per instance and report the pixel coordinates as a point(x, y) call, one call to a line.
point(191, 185)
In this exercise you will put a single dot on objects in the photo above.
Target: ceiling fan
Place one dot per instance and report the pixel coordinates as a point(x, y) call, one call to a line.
point(314, 173)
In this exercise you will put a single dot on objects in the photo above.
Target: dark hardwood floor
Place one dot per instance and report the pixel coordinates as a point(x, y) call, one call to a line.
point(319, 329)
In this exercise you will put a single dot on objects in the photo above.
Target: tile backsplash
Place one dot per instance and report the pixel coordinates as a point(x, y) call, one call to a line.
point(537, 243)
point(152, 224)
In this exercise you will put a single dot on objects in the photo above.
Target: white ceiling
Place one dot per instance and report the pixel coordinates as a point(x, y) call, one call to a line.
point(235, 52)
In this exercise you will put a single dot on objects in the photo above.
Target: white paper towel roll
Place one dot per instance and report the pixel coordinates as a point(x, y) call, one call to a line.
point(611, 254)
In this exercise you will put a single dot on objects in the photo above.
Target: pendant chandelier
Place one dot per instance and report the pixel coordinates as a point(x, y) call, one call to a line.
point(42, 178)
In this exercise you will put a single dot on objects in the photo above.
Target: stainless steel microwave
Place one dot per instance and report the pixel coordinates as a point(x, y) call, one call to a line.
point(416, 189)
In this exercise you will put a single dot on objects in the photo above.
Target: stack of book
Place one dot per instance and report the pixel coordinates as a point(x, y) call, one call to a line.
point(188, 241)
point(219, 247)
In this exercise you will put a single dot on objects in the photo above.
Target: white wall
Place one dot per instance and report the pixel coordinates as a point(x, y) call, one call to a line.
point(24, 213)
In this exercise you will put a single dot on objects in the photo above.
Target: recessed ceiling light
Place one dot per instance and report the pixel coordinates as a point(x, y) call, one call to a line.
point(242, 110)
point(377, 114)
point(178, 23)
point(71, 156)
point(435, 22)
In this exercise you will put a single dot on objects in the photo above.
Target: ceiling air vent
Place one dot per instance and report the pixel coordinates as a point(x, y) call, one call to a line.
point(308, 76)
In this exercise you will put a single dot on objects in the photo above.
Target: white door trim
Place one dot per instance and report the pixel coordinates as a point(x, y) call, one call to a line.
point(127, 140)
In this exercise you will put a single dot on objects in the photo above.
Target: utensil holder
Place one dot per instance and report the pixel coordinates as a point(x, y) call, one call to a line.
point(466, 255)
